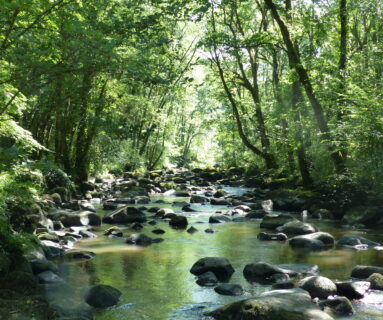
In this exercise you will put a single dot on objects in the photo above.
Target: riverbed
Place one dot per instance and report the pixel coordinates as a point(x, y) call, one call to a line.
point(156, 282)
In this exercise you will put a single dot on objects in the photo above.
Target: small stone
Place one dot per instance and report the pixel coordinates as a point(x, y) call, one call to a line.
point(229, 289)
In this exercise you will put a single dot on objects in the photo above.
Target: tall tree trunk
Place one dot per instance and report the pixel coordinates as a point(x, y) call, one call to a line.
point(82, 152)
point(296, 63)
point(303, 164)
point(343, 18)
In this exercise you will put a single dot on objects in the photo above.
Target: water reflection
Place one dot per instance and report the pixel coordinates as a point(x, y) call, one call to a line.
point(156, 282)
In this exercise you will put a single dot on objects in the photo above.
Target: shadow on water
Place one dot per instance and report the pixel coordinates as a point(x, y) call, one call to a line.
point(156, 282)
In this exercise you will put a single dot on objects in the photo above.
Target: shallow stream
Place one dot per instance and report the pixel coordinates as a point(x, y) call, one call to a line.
point(156, 282)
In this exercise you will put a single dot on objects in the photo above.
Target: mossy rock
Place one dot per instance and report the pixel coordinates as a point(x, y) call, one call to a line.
point(64, 193)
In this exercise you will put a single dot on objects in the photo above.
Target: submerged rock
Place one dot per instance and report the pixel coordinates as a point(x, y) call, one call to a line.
point(279, 304)
point(218, 218)
point(273, 221)
point(350, 240)
point(141, 240)
point(207, 279)
point(229, 289)
point(264, 236)
point(192, 230)
point(221, 267)
point(102, 296)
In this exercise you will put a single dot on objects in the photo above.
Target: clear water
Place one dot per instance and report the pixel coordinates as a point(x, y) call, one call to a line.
point(156, 282)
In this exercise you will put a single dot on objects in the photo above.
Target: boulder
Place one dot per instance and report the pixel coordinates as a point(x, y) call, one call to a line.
point(256, 214)
point(363, 272)
point(114, 232)
point(102, 296)
point(366, 215)
point(219, 193)
point(352, 290)
point(278, 304)
point(210, 230)
point(178, 222)
point(297, 228)
point(196, 198)
point(207, 279)
point(317, 240)
point(121, 215)
point(376, 281)
point(318, 286)
point(164, 211)
point(262, 271)
point(273, 221)
point(340, 306)
point(229, 289)
point(272, 236)
point(359, 242)
point(41, 265)
point(221, 267)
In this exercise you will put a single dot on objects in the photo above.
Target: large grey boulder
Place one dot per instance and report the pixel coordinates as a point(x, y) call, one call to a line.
point(262, 271)
point(297, 228)
point(278, 304)
point(273, 221)
point(318, 286)
point(221, 267)
point(317, 240)
point(102, 296)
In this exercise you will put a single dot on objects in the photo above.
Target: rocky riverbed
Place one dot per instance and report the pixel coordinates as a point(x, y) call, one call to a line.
point(132, 249)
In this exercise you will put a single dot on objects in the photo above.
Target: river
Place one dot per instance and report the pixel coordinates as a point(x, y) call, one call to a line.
point(156, 282)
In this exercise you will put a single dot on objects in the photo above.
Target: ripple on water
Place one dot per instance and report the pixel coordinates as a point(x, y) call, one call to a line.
point(156, 282)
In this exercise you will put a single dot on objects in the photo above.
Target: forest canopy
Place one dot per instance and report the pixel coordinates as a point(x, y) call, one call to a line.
point(292, 88)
